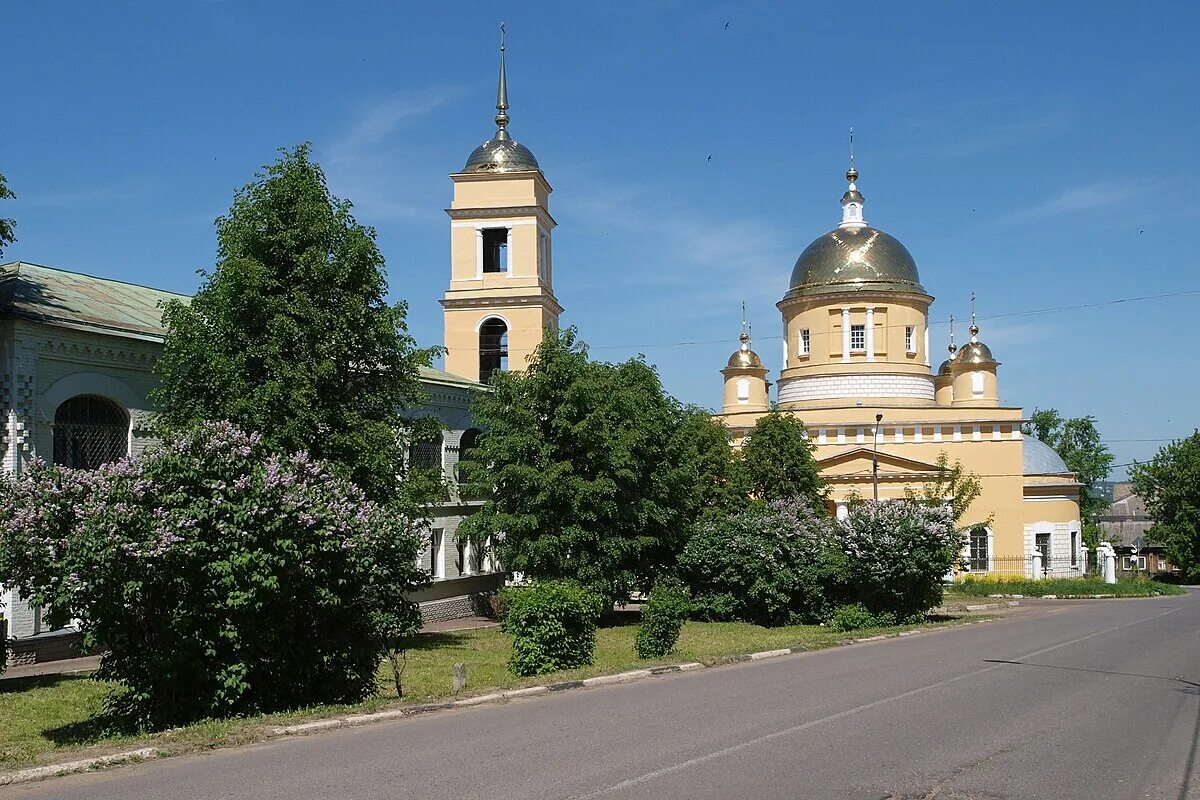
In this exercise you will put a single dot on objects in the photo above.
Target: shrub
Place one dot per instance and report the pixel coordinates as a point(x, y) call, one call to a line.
point(856, 616)
point(217, 577)
point(552, 624)
point(770, 565)
point(897, 554)
point(663, 616)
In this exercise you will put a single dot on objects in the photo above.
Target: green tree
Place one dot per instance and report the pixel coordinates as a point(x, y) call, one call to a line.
point(778, 462)
point(591, 472)
point(953, 482)
point(1077, 442)
point(7, 225)
point(291, 335)
point(1170, 486)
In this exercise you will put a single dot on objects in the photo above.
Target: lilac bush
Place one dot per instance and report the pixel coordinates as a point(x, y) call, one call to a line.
point(897, 554)
point(217, 577)
point(772, 564)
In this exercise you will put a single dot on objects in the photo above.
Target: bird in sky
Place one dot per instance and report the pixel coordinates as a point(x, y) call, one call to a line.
point(727, 23)
point(710, 156)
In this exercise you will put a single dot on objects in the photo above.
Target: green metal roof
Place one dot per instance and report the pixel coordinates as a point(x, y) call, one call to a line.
point(434, 375)
point(57, 296)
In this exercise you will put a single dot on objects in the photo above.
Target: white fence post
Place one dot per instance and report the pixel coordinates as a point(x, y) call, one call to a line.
point(1108, 561)
point(1035, 558)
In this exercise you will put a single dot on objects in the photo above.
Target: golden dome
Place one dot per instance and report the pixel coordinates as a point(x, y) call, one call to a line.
point(975, 353)
point(945, 368)
point(744, 357)
point(501, 154)
point(854, 260)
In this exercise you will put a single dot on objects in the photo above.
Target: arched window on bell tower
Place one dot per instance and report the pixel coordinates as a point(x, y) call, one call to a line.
point(493, 348)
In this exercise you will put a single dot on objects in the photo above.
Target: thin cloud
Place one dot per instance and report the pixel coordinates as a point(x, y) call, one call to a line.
point(370, 163)
point(92, 195)
point(1091, 197)
point(377, 124)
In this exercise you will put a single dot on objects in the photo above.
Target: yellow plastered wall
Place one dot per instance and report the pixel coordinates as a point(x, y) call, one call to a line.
point(523, 296)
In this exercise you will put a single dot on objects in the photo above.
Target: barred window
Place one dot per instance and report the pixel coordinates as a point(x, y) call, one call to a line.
point(90, 431)
point(858, 338)
point(427, 454)
point(979, 549)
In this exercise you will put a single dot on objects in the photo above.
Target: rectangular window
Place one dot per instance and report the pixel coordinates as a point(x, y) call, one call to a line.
point(495, 250)
point(804, 342)
point(979, 550)
point(743, 390)
point(1042, 543)
point(462, 566)
point(858, 338)
point(910, 339)
point(436, 565)
point(1074, 548)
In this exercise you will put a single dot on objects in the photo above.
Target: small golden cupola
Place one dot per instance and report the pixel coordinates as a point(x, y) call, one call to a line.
point(943, 381)
point(974, 370)
point(745, 379)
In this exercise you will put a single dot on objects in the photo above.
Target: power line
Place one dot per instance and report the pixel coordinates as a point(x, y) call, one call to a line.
point(1033, 312)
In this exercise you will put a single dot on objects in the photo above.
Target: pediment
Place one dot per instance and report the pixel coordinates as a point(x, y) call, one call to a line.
point(854, 460)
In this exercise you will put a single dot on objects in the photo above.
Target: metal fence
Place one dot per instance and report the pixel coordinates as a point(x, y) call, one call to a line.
point(1031, 567)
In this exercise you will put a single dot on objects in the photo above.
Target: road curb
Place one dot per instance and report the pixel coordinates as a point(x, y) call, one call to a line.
point(82, 765)
point(392, 714)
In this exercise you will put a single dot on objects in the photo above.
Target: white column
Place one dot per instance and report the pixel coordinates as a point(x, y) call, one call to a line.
point(479, 252)
point(512, 252)
point(845, 333)
point(1035, 557)
point(870, 333)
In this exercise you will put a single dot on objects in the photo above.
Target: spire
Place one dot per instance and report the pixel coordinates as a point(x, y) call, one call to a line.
point(952, 346)
point(502, 94)
point(852, 200)
point(745, 337)
point(974, 328)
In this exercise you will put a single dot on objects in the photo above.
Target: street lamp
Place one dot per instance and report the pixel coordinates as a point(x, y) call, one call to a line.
point(875, 457)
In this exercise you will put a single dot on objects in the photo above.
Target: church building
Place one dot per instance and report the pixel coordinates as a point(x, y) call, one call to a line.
point(857, 370)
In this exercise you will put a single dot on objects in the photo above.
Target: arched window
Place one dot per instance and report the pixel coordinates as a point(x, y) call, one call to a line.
point(980, 555)
point(90, 431)
point(493, 348)
point(466, 443)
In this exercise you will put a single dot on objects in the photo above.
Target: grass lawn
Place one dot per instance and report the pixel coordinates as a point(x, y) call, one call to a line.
point(48, 718)
point(1063, 587)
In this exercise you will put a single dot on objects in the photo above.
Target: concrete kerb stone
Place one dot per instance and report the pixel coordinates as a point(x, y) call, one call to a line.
point(83, 765)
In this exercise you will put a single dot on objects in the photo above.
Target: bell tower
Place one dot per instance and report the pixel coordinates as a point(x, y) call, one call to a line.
point(501, 296)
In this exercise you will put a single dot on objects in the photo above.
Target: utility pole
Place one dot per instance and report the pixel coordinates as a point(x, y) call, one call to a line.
point(875, 457)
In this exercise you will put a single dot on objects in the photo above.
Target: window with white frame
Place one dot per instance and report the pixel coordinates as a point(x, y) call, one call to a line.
point(910, 339)
point(804, 342)
point(743, 390)
point(858, 338)
point(495, 249)
point(977, 384)
point(979, 550)
point(437, 563)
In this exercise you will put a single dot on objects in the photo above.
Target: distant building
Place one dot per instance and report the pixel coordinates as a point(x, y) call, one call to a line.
point(1125, 524)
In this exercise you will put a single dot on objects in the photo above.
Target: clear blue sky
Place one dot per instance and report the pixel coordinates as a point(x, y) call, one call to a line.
point(1041, 154)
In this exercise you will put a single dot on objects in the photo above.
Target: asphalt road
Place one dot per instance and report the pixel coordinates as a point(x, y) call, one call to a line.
point(1090, 700)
